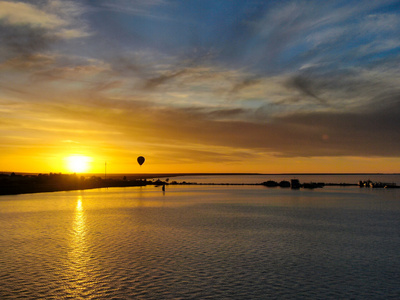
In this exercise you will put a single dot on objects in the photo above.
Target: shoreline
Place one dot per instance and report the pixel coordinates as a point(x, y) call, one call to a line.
point(16, 184)
point(19, 190)
point(154, 175)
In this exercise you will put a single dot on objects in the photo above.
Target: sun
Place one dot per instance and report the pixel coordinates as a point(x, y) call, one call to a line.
point(78, 163)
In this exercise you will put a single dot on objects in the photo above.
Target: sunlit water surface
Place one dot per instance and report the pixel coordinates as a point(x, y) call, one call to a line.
point(199, 242)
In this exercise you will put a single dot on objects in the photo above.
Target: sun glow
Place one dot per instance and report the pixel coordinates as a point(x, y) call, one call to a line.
point(78, 163)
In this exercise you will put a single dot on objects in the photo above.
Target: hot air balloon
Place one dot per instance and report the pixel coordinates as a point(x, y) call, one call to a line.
point(140, 160)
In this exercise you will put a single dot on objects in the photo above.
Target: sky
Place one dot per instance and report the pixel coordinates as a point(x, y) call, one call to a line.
point(200, 86)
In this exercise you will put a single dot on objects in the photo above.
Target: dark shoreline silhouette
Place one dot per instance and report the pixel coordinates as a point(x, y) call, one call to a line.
point(24, 184)
point(13, 184)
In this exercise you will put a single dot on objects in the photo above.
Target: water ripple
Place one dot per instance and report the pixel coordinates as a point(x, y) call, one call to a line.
point(106, 246)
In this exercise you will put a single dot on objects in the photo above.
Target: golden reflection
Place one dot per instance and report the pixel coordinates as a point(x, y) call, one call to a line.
point(79, 204)
point(79, 226)
point(78, 271)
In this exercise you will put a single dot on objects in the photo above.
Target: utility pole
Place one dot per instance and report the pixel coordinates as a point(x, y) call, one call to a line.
point(105, 170)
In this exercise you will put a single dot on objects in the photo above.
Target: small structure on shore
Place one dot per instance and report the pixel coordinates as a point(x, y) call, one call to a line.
point(284, 184)
point(313, 185)
point(270, 183)
point(371, 184)
point(294, 184)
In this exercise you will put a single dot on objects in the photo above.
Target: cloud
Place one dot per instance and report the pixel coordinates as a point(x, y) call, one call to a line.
point(304, 85)
point(285, 35)
point(24, 39)
point(19, 13)
point(381, 23)
point(162, 79)
point(61, 19)
point(300, 79)
point(31, 33)
point(184, 153)
point(135, 7)
point(72, 14)
point(350, 134)
point(243, 84)
point(299, 134)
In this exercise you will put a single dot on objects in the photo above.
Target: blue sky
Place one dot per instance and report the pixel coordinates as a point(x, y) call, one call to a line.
point(216, 83)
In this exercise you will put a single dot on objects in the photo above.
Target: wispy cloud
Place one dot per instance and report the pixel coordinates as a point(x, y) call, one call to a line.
point(60, 18)
point(18, 13)
point(135, 7)
point(24, 39)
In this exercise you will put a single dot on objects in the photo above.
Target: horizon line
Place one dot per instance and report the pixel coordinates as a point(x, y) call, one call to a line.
point(207, 173)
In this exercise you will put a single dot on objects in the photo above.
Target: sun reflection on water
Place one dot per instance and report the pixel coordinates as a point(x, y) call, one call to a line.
point(78, 242)
point(79, 204)
point(79, 255)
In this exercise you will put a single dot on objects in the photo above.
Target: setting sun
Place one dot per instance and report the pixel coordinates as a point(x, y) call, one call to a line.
point(78, 163)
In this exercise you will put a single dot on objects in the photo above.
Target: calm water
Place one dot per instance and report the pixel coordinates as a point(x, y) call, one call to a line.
point(201, 242)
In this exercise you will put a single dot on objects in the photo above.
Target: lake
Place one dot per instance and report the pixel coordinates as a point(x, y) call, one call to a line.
point(201, 242)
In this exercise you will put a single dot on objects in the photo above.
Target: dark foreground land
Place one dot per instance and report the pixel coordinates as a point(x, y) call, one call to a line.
point(22, 184)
